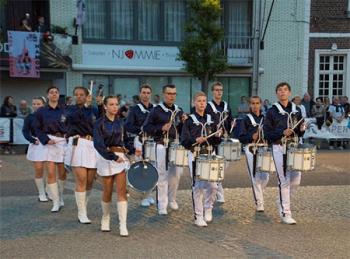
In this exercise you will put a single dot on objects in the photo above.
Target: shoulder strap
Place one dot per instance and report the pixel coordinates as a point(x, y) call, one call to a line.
point(252, 120)
point(209, 121)
point(225, 107)
point(142, 108)
point(195, 120)
point(280, 109)
point(163, 107)
point(212, 105)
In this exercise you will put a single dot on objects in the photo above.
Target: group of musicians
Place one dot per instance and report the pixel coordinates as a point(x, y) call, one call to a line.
point(87, 142)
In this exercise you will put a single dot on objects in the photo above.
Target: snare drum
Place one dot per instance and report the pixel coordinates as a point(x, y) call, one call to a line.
point(264, 161)
point(150, 150)
point(230, 149)
point(301, 157)
point(142, 178)
point(178, 155)
point(210, 168)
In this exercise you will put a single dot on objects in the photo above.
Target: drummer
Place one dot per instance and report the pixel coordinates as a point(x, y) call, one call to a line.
point(112, 163)
point(133, 126)
point(220, 112)
point(278, 127)
point(50, 128)
point(251, 132)
point(80, 153)
point(33, 153)
point(164, 124)
point(194, 132)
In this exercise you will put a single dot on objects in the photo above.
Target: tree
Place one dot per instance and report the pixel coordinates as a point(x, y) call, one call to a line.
point(201, 47)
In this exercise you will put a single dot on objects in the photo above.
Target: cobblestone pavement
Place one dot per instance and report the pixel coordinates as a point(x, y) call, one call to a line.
point(29, 230)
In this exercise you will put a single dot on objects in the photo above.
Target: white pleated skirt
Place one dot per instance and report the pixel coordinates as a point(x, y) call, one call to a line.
point(52, 153)
point(36, 153)
point(108, 167)
point(81, 155)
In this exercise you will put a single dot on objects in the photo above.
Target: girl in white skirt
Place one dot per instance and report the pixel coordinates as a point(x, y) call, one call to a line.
point(80, 153)
point(50, 129)
point(111, 163)
point(35, 148)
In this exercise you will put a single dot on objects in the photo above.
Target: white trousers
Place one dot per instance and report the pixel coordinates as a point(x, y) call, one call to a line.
point(201, 190)
point(168, 181)
point(260, 180)
point(287, 182)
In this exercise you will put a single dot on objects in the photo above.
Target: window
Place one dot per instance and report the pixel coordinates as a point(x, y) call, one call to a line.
point(331, 75)
point(135, 20)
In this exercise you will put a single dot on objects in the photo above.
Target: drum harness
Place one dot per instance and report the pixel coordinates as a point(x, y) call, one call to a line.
point(260, 141)
point(288, 142)
point(222, 118)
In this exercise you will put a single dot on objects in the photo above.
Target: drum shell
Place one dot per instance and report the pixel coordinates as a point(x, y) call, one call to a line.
point(230, 150)
point(301, 159)
point(178, 155)
point(264, 161)
point(210, 168)
point(150, 151)
point(136, 169)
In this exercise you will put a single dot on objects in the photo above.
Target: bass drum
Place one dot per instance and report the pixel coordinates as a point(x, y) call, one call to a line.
point(142, 178)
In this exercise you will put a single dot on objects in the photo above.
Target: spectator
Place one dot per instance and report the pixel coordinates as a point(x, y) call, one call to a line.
point(297, 101)
point(41, 27)
point(8, 109)
point(124, 110)
point(120, 100)
point(319, 111)
point(24, 110)
point(308, 103)
point(135, 99)
point(346, 105)
point(266, 106)
point(69, 100)
point(336, 112)
point(25, 25)
point(156, 99)
point(243, 107)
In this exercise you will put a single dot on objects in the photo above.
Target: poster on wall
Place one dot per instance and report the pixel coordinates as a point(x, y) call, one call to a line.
point(4, 130)
point(18, 137)
point(24, 52)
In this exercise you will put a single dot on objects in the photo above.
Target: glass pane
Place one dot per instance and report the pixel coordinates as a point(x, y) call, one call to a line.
point(341, 59)
point(326, 67)
point(327, 59)
point(94, 26)
point(335, 59)
point(321, 59)
point(174, 20)
point(157, 84)
point(237, 87)
point(127, 87)
point(148, 20)
point(183, 90)
point(122, 19)
point(341, 67)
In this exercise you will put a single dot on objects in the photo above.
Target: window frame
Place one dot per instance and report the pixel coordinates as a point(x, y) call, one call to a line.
point(318, 72)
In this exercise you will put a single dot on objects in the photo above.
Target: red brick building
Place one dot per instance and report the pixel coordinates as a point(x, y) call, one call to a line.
point(329, 48)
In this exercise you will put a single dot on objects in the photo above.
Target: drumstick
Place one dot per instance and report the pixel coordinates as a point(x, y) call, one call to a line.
point(297, 123)
point(91, 85)
point(232, 126)
point(209, 136)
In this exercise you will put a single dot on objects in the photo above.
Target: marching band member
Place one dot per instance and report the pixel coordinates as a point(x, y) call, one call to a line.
point(250, 130)
point(111, 163)
point(280, 125)
point(34, 149)
point(50, 128)
point(80, 153)
point(195, 130)
point(219, 110)
point(133, 125)
point(161, 123)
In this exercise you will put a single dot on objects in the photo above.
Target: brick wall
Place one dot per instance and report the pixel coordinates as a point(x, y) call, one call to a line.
point(329, 16)
point(322, 43)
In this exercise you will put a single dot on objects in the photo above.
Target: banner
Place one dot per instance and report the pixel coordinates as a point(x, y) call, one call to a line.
point(5, 129)
point(24, 52)
point(18, 137)
point(335, 131)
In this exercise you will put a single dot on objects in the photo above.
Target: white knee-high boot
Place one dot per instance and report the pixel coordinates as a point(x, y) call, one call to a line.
point(106, 216)
point(122, 213)
point(80, 198)
point(53, 188)
point(39, 182)
point(61, 184)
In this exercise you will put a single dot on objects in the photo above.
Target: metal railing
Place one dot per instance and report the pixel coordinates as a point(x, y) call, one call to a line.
point(238, 50)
